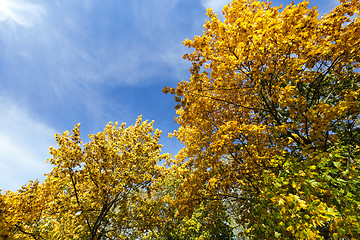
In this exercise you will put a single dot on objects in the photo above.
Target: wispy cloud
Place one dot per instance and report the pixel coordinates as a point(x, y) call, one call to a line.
point(88, 42)
point(216, 5)
point(20, 12)
point(24, 143)
point(80, 46)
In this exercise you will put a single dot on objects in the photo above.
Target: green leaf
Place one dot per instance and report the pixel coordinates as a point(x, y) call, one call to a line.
point(304, 233)
point(313, 183)
point(337, 164)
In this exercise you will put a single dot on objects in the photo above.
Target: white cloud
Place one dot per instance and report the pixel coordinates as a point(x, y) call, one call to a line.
point(71, 54)
point(24, 143)
point(60, 58)
point(20, 12)
point(216, 5)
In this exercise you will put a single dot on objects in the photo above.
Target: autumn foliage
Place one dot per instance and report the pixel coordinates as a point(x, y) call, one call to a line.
point(99, 190)
point(270, 124)
point(270, 119)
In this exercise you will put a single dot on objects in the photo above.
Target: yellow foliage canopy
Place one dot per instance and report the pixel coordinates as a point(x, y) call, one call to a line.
point(273, 95)
point(102, 189)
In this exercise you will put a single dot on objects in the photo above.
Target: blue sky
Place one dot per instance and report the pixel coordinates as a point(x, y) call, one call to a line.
point(65, 62)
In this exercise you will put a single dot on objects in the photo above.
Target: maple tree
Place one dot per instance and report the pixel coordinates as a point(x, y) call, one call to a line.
point(270, 119)
point(99, 190)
